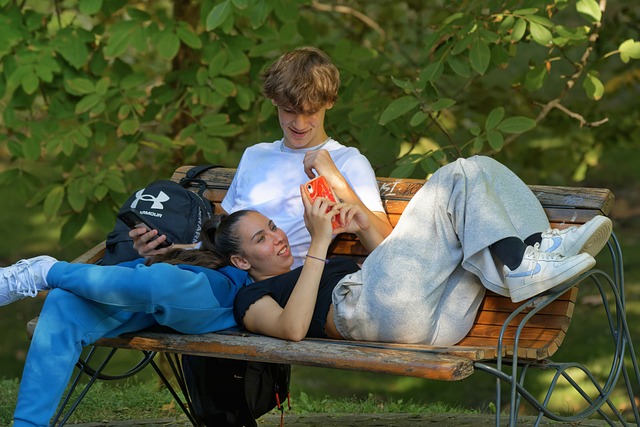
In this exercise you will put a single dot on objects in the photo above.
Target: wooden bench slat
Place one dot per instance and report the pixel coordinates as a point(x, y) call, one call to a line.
point(328, 354)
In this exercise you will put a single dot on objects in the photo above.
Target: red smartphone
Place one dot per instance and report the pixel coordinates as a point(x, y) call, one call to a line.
point(319, 187)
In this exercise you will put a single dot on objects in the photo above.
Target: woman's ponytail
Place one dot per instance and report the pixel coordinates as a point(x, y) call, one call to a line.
point(220, 241)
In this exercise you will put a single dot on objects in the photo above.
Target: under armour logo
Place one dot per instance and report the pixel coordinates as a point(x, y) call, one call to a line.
point(157, 201)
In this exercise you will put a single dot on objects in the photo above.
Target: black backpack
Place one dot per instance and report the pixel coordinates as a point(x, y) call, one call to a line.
point(234, 393)
point(170, 207)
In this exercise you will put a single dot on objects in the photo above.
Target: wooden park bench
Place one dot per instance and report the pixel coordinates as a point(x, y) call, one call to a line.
point(507, 340)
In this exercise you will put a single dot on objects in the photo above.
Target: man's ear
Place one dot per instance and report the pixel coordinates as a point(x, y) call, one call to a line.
point(239, 262)
point(329, 106)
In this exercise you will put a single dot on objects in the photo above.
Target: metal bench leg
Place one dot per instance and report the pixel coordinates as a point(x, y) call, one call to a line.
point(176, 369)
point(84, 391)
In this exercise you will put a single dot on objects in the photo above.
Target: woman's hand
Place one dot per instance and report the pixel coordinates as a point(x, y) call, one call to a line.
point(317, 216)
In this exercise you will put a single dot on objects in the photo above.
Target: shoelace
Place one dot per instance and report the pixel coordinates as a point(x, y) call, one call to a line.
point(19, 282)
point(539, 255)
point(558, 232)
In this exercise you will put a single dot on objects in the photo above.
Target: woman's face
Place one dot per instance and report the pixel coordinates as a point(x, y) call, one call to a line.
point(265, 247)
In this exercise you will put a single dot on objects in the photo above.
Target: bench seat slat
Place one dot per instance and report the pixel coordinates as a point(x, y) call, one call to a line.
point(319, 353)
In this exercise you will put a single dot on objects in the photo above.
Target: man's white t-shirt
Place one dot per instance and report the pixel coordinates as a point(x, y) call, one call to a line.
point(268, 180)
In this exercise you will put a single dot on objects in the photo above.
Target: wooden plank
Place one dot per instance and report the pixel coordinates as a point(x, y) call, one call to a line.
point(600, 199)
point(328, 354)
point(497, 319)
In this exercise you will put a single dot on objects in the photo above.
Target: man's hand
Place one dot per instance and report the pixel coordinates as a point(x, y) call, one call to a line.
point(146, 243)
point(320, 161)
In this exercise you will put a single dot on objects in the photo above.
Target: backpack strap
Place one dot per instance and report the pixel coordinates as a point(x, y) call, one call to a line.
point(192, 177)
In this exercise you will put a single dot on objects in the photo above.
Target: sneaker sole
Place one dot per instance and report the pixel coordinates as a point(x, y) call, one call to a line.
point(599, 237)
point(529, 291)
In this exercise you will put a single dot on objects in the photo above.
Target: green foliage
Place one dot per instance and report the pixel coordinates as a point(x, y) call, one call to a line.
point(99, 97)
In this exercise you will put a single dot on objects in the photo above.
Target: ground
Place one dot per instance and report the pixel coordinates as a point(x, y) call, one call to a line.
point(360, 420)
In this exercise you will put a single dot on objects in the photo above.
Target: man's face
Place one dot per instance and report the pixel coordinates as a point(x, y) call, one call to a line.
point(302, 129)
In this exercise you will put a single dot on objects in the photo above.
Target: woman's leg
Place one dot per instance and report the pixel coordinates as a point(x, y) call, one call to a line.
point(66, 324)
point(431, 262)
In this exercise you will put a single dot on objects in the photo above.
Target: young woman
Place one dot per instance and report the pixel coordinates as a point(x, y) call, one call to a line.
point(474, 225)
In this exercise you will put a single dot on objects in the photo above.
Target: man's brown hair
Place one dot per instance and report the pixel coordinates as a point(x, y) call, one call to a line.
point(303, 80)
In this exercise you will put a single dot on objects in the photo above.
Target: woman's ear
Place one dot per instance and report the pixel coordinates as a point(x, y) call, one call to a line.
point(239, 262)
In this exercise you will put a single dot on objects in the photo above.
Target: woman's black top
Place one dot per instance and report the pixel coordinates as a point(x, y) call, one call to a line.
point(280, 288)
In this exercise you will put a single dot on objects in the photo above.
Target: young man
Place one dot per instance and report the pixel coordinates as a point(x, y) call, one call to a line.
point(302, 84)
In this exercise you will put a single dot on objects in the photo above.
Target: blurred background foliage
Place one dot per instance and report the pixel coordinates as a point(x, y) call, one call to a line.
point(99, 97)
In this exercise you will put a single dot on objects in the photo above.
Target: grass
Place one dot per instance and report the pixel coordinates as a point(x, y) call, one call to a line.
point(147, 401)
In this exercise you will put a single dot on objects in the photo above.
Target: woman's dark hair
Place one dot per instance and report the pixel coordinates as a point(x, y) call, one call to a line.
point(220, 241)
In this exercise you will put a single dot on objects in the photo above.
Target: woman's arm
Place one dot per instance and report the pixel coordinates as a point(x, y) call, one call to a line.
point(292, 322)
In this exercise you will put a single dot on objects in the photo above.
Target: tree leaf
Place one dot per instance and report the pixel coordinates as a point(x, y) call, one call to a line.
point(188, 37)
point(590, 10)
point(403, 171)
point(629, 49)
point(432, 72)
point(218, 15)
point(72, 227)
point(31, 149)
point(528, 11)
point(442, 104)
point(224, 87)
point(517, 124)
point(397, 108)
point(129, 126)
point(103, 86)
point(79, 86)
point(244, 97)
point(87, 103)
point(90, 7)
point(494, 118)
point(459, 66)
point(480, 56)
point(535, 78)
point(237, 63)
point(518, 31)
point(418, 118)
point(540, 34)
point(168, 45)
point(53, 201)
point(429, 165)
point(76, 197)
point(30, 82)
point(121, 36)
point(593, 87)
point(495, 139)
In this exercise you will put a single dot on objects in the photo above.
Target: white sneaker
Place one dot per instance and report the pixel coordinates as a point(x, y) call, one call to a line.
point(589, 237)
point(541, 271)
point(24, 279)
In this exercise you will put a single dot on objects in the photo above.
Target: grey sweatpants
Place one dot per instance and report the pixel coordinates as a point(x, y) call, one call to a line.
point(425, 281)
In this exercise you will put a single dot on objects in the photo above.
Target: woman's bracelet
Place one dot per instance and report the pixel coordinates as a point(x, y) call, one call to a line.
point(326, 261)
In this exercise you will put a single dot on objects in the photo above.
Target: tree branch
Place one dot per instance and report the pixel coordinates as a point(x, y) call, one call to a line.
point(580, 67)
point(350, 11)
